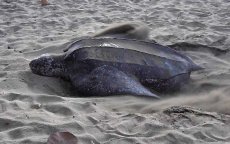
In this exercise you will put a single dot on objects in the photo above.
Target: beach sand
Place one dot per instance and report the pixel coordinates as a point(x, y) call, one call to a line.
point(32, 107)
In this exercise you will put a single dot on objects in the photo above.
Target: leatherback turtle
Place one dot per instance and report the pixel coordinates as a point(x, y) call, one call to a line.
point(114, 66)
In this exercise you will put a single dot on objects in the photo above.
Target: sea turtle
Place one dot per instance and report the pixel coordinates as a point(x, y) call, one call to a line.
point(113, 66)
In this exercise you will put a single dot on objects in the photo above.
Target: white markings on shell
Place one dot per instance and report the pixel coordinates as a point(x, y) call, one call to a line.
point(109, 45)
point(45, 55)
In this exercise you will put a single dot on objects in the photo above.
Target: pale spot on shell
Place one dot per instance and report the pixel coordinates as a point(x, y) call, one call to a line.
point(45, 55)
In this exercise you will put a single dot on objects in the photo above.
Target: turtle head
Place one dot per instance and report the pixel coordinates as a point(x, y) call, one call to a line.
point(47, 65)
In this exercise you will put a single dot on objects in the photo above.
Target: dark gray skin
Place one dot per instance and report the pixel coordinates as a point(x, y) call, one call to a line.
point(114, 62)
point(98, 80)
point(101, 70)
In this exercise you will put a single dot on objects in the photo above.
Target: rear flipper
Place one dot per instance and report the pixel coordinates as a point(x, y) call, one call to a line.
point(183, 46)
point(107, 80)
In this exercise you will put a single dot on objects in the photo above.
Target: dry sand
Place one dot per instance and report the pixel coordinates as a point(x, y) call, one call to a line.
point(32, 107)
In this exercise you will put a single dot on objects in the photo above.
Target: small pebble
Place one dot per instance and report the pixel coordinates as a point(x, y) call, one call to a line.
point(44, 2)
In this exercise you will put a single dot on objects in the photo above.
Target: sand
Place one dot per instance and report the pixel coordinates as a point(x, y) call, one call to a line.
point(32, 107)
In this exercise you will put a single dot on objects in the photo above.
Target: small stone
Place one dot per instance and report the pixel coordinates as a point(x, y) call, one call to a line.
point(36, 106)
point(44, 2)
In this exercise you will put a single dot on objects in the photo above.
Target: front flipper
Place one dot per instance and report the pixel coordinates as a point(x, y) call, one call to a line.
point(107, 80)
point(129, 30)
